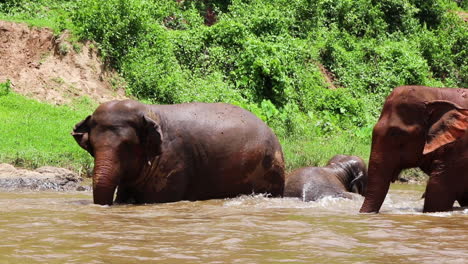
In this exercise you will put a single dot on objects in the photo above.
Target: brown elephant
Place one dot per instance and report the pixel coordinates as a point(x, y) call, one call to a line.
point(341, 175)
point(421, 127)
point(166, 153)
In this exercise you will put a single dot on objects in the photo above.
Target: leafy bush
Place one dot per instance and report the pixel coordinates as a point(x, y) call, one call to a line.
point(164, 49)
point(115, 24)
point(445, 51)
point(149, 69)
point(376, 67)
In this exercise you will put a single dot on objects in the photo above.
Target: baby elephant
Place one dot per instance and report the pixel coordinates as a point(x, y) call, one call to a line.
point(341, 175)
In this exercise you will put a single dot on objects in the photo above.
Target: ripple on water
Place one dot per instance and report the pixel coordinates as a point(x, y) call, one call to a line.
point(59, 228)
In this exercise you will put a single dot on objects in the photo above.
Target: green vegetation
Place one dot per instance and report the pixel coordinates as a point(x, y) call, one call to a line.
point(5, 88)
point(268, 56)
point(34, 134)
point(53, 14)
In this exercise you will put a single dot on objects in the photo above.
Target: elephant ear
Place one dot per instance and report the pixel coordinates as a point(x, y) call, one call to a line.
point(152, 135)
point(81, 134)
point(451, 126)
point(358, 184)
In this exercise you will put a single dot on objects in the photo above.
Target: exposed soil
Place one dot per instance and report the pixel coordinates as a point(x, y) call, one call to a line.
point(463, 15)
point(328, 75)
point(52, 69)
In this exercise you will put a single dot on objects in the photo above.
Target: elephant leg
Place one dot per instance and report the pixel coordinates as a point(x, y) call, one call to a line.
point(170, 187)
point(438, 197)
point(276, 177)
point(123, 195)
point(463, 200)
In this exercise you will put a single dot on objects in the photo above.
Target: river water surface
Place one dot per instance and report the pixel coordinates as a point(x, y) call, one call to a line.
point(55, 227)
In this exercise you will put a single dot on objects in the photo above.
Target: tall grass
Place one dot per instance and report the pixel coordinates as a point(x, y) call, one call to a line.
point(305, 152)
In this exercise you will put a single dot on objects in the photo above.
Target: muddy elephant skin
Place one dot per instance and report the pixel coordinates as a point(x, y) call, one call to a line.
point(427, 128)
point(166, 153)
point(341, 175)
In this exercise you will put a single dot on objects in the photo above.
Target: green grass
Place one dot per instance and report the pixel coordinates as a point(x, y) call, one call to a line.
point(35, 134)
point(52, 14)
point(317, 151)
point(32, 22)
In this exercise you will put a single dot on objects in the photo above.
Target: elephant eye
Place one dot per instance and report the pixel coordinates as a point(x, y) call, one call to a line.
point(128, 136)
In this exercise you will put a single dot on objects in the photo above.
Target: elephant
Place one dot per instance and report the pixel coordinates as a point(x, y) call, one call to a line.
point(168, 153)
point(427, 128)
point(341, 175)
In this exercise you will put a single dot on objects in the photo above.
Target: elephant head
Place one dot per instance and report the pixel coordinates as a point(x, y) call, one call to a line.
point(122, 136)
point(355, 177)
point(409, 130)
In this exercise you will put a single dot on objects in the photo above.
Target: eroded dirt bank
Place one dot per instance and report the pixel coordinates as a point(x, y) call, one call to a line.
point(51, 68)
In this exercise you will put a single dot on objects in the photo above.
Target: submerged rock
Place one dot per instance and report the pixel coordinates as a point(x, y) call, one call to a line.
point(40, 179)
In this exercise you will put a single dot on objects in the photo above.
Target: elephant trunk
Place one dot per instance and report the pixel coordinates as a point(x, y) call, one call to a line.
point(379, 177)
point(106, 177)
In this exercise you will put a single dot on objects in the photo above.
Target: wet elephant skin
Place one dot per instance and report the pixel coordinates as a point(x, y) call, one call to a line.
point(166, 153)
point(427, 128)
point(341, 175)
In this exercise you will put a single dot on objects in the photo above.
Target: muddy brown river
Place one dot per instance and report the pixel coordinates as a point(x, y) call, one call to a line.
point(57, 227)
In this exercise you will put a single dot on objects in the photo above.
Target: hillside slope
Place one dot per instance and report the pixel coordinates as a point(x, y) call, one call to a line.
point(49, 68)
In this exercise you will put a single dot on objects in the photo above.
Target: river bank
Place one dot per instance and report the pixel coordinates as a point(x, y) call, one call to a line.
point(45, 178)
point(48, 178)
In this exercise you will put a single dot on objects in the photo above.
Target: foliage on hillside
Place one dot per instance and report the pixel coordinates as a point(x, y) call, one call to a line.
point(270, 56)
point(266, 55)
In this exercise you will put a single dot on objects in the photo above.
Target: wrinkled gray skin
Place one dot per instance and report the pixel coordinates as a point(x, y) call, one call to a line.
point(167, 153)
point(341, 175)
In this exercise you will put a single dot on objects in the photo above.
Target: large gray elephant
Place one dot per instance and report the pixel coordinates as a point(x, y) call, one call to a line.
point(427, 128)
point(341, 175)
point(166, 153)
